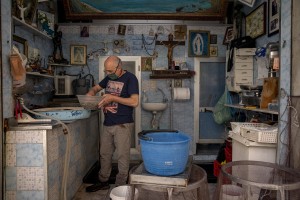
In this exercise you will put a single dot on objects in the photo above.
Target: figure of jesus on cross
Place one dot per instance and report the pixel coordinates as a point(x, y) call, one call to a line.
point(170, 44)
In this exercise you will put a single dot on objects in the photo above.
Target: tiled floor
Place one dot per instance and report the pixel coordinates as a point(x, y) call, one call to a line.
point(104, 194)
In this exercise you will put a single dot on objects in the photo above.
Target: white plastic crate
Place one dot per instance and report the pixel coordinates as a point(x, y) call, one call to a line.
point(236, 126)
point(260, 134)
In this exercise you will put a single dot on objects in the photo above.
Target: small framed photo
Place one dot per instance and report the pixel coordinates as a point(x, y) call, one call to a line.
point(256, 22)
point(273, 17)
point(146, 63)
point(84, 31)
point(213, 51)
point(121, 29)
point(198, 44)
point(213, 39)
point(21, 44)
point(229, 35)
point(78, 54)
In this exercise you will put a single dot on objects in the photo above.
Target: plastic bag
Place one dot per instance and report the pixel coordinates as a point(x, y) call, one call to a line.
point(221, 112)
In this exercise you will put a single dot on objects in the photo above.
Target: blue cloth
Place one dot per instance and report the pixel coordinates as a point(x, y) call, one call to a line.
point(124, 86)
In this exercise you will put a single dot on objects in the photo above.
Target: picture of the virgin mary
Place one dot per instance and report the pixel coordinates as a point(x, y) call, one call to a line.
point(198, 45)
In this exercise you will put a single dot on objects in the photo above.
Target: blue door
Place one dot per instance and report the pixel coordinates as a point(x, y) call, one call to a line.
point(212, 85)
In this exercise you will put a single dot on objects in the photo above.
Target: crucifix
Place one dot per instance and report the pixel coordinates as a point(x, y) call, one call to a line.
point(170, 44)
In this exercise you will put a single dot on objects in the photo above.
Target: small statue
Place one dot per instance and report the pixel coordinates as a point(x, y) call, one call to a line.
point(58, 58)
point(22, 11)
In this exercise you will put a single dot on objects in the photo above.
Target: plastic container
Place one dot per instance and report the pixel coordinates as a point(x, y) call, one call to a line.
point(164, 152)
point(232, 192)
point(123, 192)
point(260, 134)
point(244, 149)
point(236, 126)
point(89, 102)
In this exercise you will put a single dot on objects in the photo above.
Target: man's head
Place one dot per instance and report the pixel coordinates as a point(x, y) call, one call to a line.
point(113, 67)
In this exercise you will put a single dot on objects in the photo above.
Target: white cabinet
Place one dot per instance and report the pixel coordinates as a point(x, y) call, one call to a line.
point(242, 70)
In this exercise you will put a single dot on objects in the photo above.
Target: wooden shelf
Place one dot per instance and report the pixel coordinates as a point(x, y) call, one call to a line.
point(62, 65)
point(171, 74)
point(33, 30)
point(39, 74)
point(253, 109)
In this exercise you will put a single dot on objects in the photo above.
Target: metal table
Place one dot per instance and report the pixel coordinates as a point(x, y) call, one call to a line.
point(194, 177)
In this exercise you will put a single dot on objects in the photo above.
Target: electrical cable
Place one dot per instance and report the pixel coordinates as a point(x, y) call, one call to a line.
point(145, 43)
point(66, 131)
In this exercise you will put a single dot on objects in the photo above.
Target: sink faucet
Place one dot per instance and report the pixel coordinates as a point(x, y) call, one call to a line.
point(165, 99)
point(145, 98)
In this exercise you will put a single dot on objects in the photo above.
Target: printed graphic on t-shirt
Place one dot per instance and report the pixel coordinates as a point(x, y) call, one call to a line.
point(113, 88)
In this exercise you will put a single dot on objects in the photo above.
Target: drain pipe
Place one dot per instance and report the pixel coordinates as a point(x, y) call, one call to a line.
point(171, 104)
point(66, 131)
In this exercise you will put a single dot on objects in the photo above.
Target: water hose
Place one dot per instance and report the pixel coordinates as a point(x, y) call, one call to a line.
point(66, 131)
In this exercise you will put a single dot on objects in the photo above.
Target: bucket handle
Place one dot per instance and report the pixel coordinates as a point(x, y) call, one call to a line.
point(143, 133)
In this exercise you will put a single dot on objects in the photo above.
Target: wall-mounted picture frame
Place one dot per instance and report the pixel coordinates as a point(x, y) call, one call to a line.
point(45, 22)
point(78, 54)
point(215, 10)
point(84, 31)
point(213, 51)
point(229, 35)
point(273, 17)
point(213, 39)
point(249, 3)
point(198, 44)
point(256, 22)
point(146, 63)
point(21, 44)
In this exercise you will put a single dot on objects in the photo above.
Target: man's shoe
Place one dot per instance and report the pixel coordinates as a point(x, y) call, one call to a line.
point(97, 186)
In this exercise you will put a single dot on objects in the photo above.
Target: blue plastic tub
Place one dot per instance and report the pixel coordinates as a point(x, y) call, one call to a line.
point(164, 152)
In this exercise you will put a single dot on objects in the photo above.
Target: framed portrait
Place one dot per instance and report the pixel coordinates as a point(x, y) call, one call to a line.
point(121, 29)
point(215, 10)
point(273, 17)
point(256, 22)
point(21, 44)
point(229, 35)
point(84, 31)
point(146, 63)
point(78, 54)
point(198, 45)
point(213, 39)
point(213, 51)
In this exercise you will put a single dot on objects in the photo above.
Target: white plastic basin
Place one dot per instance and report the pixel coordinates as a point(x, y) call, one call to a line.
point(154, 106)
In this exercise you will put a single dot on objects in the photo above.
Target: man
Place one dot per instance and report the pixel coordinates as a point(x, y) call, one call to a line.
point(121, 96)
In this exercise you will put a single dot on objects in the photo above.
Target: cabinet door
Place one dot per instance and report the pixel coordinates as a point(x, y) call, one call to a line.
point(212, 79)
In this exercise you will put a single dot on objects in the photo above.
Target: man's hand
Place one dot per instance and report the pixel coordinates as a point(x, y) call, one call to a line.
point(106, 99)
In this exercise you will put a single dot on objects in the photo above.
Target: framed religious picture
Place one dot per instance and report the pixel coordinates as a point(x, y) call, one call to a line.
point(198, 44)
point(213, 51)
point(21, 44)
point(249, 3)
point(213, 39)
point(273, 17)
point(228, 35)
point(256, 22)
point(78, 54)
point(27, 10)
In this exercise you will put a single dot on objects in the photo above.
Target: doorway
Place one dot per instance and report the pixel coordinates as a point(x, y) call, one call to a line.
point(133, 65)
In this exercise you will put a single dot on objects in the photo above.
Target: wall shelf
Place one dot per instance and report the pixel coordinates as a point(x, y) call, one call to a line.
point(253, 109)
point(33, 30)
point(39, 74)
point(171, 74)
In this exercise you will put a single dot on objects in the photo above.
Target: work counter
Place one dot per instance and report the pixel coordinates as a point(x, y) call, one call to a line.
point(35, 155)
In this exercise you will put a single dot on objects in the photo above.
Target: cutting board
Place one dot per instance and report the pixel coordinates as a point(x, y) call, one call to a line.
point(270, 91)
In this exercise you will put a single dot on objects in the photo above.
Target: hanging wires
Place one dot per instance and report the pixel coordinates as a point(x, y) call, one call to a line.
point(151, 43)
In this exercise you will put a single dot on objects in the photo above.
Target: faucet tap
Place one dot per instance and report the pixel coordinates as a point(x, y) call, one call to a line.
point(145, 98)
point(165, 99)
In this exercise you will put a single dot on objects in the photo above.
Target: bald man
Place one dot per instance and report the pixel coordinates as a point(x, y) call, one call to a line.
point(120, 98)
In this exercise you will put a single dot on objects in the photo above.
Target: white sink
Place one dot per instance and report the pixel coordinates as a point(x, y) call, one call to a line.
point(154, 107)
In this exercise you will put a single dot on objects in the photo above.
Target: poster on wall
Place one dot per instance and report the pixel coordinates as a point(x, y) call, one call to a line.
point(273, 17)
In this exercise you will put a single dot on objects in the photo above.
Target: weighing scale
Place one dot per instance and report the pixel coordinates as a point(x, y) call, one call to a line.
point(139, 175)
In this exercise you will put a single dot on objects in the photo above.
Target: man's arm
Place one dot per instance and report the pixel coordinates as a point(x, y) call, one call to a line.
point(94, 90)
point(132, 101)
